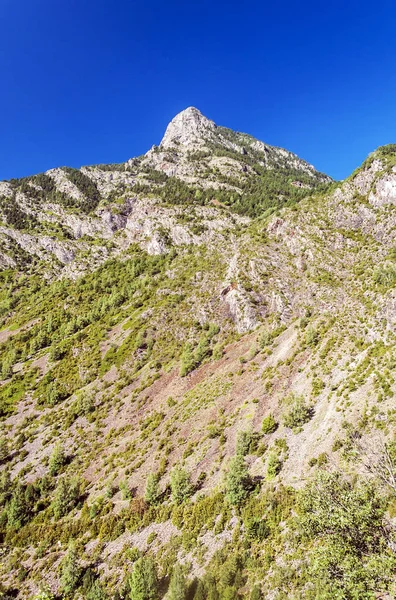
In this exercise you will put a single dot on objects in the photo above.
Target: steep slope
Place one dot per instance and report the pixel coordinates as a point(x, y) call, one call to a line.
point(178, 403)
point(70, 220)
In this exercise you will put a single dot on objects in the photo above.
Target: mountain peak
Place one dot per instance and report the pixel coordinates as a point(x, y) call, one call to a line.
point(189, 127)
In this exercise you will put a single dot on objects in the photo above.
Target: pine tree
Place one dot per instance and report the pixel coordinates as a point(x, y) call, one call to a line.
point(200, 593)
point(44, 595)
point(71, 570)
point(187, 361)
point(153, 492)
point(57, 460)
point(5, 487)
point(3, 449)
point(181, 488)
point(144, 580)
point(212, 593)
point(269, 424)
point(66, 497)
point(177, 585)
point(256, 593)
point(244, 441)
point(6, 368)
point(17, 508)
point(96, 592)
point(238, 481)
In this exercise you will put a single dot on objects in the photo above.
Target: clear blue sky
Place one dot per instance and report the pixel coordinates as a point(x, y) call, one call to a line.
point(86, 81)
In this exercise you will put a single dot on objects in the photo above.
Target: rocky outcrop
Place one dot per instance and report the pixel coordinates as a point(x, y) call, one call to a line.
point(385, 192)
point(64, 185)
point(41, 246)
point(237, 300)
point(186, 152)
point(5, 189)
point(189, 128)
point(112, 181)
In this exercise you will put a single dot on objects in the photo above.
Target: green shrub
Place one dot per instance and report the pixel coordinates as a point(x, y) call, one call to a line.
point(311, 336)
point(323, 459)
point(181, 488)
point(96, 592)
point(67, 495)
point(349, 554)
point(238, 481)
point(57, 460)
point(298, 414)
point(152, 493)
point(71, 571)
point(17, 512)
point(385, 276)
point(274, 465)
point(256, 528)
point(144, 580)
point(3, 449)
point(178, 585)
point(256, 593)
point(246, 442)
point(269, 424)
point(43, 595)
point(125, 490)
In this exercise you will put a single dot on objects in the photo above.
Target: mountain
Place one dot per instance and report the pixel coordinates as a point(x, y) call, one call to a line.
point(50, 219)
point(198, 375)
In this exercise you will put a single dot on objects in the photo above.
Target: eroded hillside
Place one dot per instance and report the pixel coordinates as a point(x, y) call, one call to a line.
point(205, 376)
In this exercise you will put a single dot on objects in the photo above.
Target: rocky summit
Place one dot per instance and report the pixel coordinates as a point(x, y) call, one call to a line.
point(197, 385)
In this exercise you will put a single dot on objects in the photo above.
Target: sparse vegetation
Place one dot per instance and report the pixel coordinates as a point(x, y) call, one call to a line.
point(150, 402)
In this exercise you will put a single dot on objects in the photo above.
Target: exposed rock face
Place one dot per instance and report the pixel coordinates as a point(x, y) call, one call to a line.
point(187, 152)
point(385, 192)
point(64, 184)
point(57, 206)
point(5, 189)
point(151, 224)
point(189, 128)
point(43, 246)
point(365, 177)
point(237, 300)
point(110, 181)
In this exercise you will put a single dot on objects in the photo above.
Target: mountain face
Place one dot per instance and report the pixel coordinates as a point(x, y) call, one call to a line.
point(198, 375)
point(50, 219)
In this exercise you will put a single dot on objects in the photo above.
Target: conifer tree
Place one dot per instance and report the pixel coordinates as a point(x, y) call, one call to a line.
point(200, 593)
point(17, 508)
point(144, 580)
point(57, 460)
point(152, 492)
point(238, 482)
point(71, 570)
point(177, 585)
point(181, 487)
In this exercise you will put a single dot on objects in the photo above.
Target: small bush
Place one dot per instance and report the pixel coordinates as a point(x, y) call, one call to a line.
point(57, 460)
point(247, 442)
point(274, 465)
point(298, 414)
point(269, 424)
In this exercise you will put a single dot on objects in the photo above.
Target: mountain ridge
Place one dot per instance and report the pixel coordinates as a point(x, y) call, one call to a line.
point(202, 390)
point(65, 204)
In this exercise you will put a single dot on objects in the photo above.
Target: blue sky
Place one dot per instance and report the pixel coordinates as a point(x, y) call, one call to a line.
point(84, 82)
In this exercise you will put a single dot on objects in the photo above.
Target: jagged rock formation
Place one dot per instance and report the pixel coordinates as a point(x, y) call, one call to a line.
point(190, 129)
